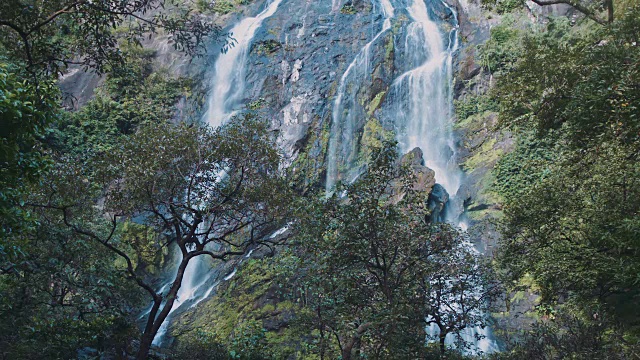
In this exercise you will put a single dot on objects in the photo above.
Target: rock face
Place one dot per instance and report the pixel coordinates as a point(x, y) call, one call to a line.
point(297, 60)
point(438, 199)
point(308, 55)
point(436, 195)
point(425, 177)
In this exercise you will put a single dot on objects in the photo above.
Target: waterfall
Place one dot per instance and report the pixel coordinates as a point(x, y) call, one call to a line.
point(345, 106)
point(189, 292)
point(419, 107)
point(423, 108)
point(225, 99)
point(227, 84)
point(423, 100)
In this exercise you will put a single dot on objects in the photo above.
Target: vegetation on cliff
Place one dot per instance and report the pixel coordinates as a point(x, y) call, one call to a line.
point(568, 94)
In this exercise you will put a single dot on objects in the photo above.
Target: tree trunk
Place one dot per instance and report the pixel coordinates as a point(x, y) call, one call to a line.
point(348, 347)
point(346, 354)
point(145, 346)
point(442, 338)
point(154, 323)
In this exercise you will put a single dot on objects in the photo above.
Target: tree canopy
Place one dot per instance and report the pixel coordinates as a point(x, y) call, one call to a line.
point(48, 36)
point(570, 185)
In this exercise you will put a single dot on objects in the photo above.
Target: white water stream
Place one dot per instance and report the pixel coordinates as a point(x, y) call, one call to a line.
point(228, 81)
point(422, 97)
point(344, 113)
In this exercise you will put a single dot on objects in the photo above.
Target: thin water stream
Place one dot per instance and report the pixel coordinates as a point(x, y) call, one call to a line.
point(345, 106)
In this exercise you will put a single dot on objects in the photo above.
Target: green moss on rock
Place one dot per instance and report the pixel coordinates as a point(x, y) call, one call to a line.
point(349, 10)
point(375, 103)
point(248, 316)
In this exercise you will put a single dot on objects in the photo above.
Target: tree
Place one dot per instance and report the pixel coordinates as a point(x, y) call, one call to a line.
point(39, 255)
point(48, 36)
point(62, 293)
point(592, 9)
point(570, 336)
point(24, 117)
point(213, 193)
point(571, 210)
point(460, 287)
point(374, 269)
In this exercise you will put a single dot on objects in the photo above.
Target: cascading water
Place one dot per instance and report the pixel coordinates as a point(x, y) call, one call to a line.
point(227, 85)
point(345, 111)
point(225, 100)
point(422, 102)
point(190, 291)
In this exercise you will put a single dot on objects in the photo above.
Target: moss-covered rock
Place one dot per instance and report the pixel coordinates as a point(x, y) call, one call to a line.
point(249, 316)
point(266, 47)
point(221, 7)
point(375, 103)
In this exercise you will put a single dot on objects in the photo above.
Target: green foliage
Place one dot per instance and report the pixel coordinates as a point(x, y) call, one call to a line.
point(257, 104)
point(570, 186)
point(503, 6)
point(588, 89)
point(567, 336)
point(375, 102)
point(132, 96)
point(220, 6)
point(25, 113)
point(308, 168)
point(203, 345)
point(503, 48)
point(529, 163)
point(267, 47)
point(373, 137)
point(349, 9)
point(591, 9)
point(62, 292)
point(49, 36)
point(473, 105)
point(235, 318)
point(211, 192)
point(373, 268)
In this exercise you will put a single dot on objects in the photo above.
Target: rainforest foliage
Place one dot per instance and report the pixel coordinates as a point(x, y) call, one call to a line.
point(569, 95)
point(95, 202)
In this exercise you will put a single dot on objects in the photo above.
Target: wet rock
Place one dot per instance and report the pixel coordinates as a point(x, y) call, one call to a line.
point(284, 65)
point(438, 199)
point(295, 73)
point(425, 177)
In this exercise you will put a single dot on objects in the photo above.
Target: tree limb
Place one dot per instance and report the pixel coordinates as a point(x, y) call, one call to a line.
point(576, 5)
